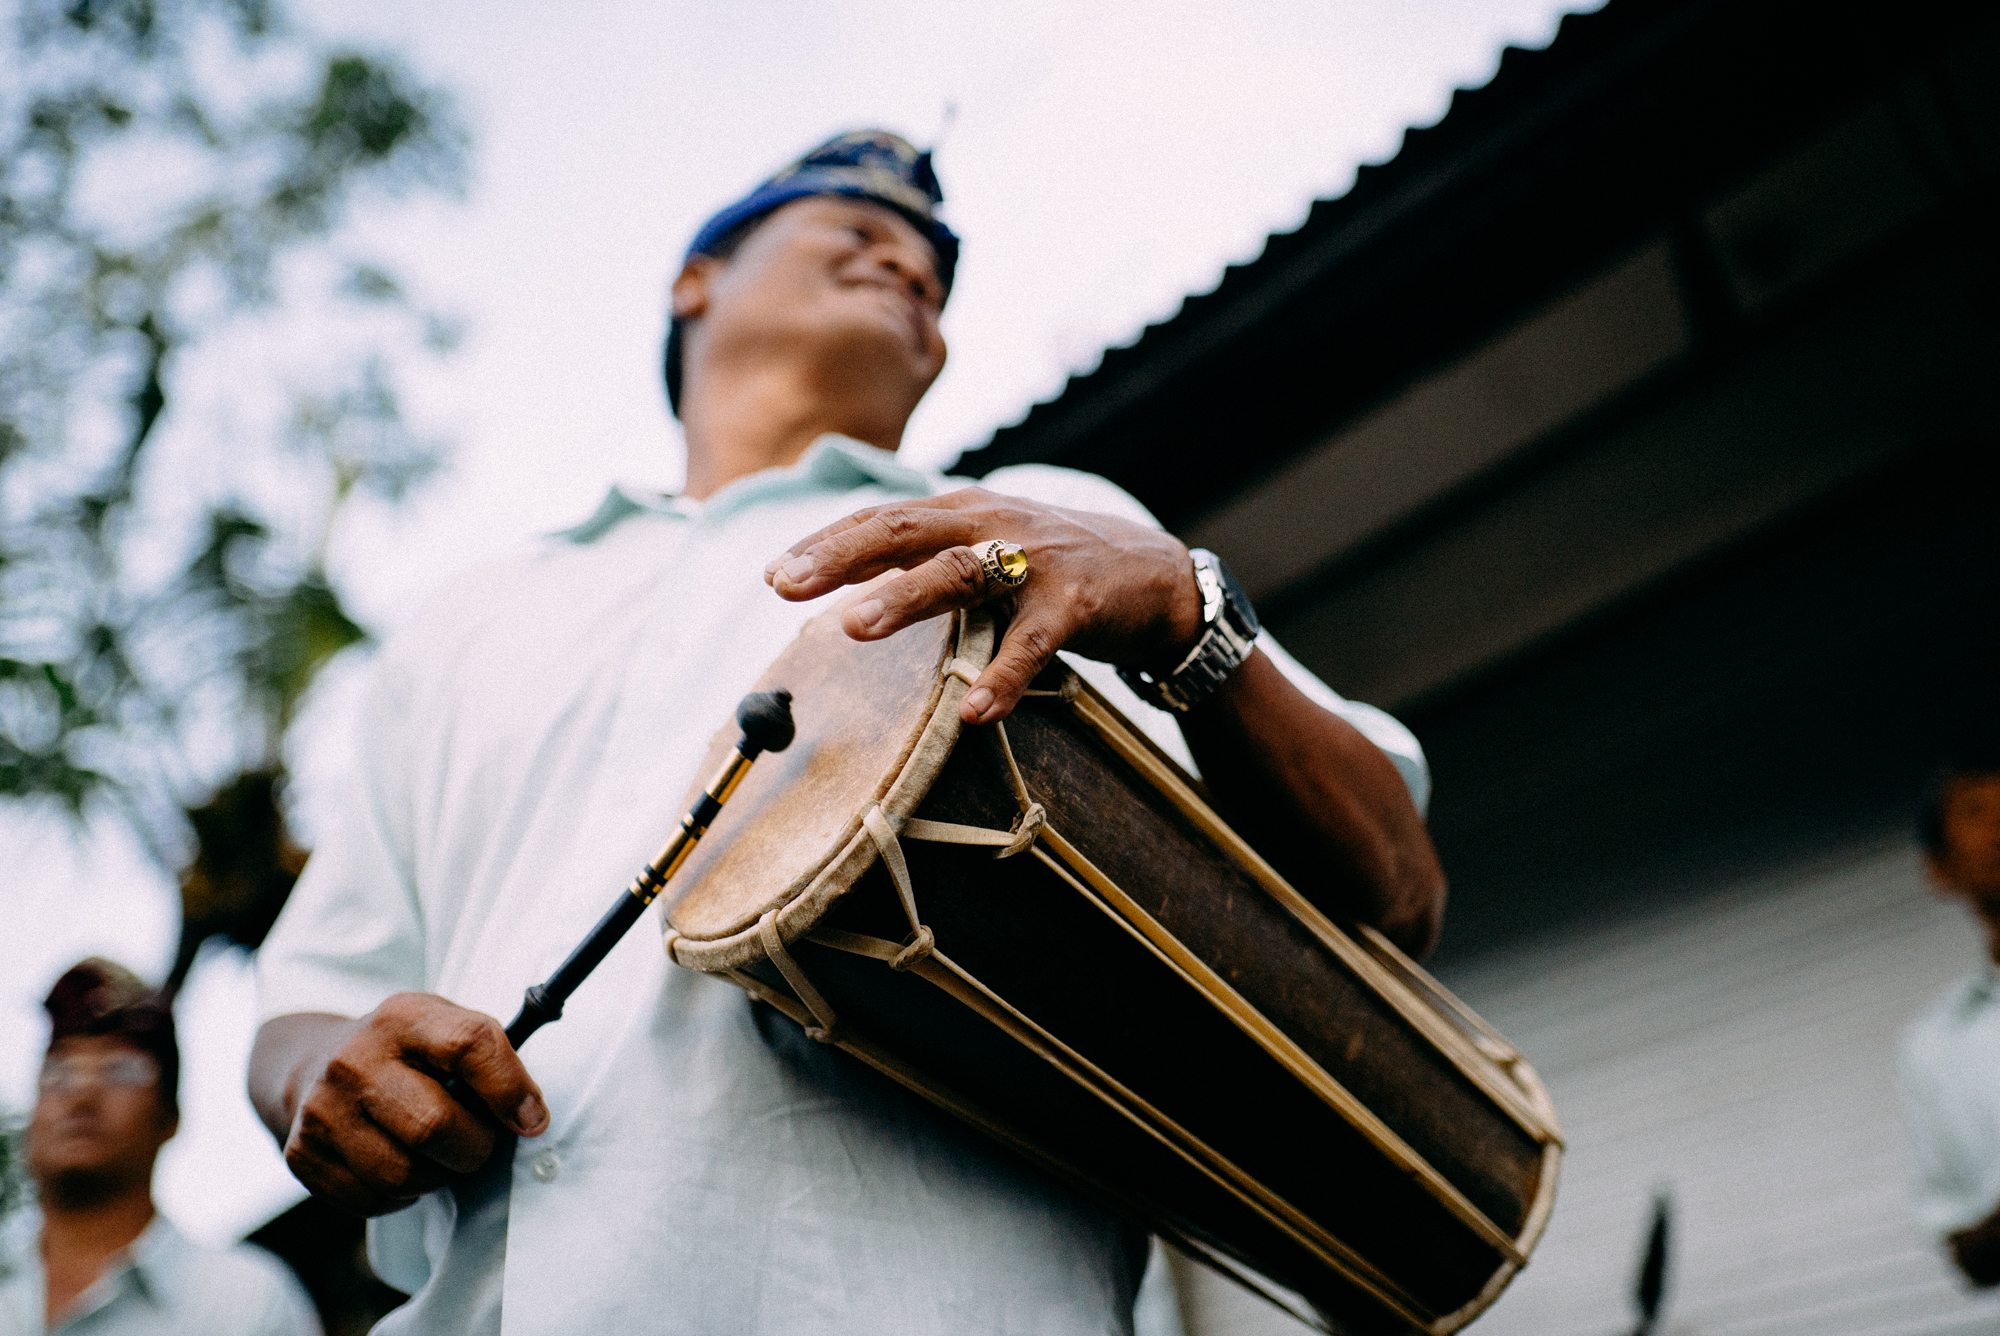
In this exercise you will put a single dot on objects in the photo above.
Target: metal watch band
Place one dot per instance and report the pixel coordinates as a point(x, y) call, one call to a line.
point(1230, 635)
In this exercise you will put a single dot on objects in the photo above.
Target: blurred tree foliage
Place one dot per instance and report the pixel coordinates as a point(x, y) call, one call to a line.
point(172, 172)
point(13, 1165)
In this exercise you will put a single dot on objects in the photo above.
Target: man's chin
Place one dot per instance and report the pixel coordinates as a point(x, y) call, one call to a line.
point(75, 1186)
point(871, 350)
point(873, 312)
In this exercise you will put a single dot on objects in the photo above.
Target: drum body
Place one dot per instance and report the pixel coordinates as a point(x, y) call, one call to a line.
point(1043, 928)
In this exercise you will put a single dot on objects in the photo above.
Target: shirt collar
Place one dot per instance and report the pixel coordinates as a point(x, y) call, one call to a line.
point(155, 1260)
point(832, 463)
point(157, 1255)
point(843, 463)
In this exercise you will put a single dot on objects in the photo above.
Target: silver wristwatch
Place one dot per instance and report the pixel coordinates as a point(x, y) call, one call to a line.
point(1229, 634)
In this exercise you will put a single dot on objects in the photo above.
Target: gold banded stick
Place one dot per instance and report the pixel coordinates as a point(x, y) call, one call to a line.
point(766, 720)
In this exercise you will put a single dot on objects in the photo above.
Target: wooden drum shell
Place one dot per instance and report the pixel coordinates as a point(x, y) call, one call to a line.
point(1134, 999)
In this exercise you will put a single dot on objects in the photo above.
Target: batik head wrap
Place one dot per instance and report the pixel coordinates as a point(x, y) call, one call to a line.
point(861, 164)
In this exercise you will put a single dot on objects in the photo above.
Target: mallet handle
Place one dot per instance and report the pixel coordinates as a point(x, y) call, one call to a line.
point(766, 720)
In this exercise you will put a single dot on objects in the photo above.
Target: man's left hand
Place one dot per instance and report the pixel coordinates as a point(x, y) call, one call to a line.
point(1313, 794)
point(1108, 588)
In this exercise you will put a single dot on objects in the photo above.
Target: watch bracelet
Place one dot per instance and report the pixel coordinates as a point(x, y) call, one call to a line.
point(1224, 645)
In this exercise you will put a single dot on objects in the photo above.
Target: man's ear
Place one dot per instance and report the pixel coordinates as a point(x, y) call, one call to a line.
point(690, 292)
point(168, 1122)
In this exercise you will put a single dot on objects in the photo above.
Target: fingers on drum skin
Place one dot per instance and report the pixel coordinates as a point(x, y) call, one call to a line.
point(818, 536)
point(962, 499)
point(879, 538)
point(949, 581)
point(1029, 645)
point(900, 536)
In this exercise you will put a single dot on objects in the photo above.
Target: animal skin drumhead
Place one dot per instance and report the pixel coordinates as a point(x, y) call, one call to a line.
point(870, 729)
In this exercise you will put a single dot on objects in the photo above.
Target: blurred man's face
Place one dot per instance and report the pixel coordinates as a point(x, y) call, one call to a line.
point(1971, 863)
point(99, 1121)
point(847, 283)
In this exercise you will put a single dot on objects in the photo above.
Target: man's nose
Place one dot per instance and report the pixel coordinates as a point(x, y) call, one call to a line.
point(79, 1094)
point(897, 261)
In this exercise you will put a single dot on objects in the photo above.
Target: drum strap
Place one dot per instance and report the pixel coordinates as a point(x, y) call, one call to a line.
point(922, 941)
point(1010, 842)
point(828, 1029)
point(891, 849)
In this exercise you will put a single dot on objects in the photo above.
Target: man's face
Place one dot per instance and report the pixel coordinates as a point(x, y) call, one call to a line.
point(1971, 862)
point(99, 1120)
point(848, 283)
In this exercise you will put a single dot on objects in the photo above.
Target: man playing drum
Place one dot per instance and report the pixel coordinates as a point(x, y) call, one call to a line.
point(687, 1160)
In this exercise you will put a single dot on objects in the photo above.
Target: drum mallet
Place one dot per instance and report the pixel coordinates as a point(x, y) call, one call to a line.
point(766, 720)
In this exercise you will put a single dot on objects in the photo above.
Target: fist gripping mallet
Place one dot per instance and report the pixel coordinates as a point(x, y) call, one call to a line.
point(766, 720)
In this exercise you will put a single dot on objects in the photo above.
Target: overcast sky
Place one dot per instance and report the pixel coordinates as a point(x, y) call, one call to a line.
point(1102, 162)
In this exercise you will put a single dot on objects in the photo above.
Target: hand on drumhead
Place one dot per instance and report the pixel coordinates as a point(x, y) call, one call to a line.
point(1105, 587)
point(370, 1124)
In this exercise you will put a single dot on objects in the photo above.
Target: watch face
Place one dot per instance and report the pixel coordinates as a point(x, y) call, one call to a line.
point(1239, 602)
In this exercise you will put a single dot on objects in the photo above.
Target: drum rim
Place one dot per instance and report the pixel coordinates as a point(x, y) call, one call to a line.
point(811, 895)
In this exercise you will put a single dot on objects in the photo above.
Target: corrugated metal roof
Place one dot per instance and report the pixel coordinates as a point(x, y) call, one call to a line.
point(1623, 124)
point(1333, 227)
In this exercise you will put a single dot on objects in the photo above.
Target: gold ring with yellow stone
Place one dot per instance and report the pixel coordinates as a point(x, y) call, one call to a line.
point(1004, 564)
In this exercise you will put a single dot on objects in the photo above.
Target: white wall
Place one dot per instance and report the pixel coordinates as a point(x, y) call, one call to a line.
point(1738, 1050)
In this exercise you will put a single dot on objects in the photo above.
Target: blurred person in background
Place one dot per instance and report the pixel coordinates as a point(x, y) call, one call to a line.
point(93, 1257)
point(697, 1164)
point(1951, 1054)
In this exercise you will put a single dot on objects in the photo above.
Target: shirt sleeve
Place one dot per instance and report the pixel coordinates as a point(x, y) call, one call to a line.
point(1086, 491)
point(352, 933)
point(1947, 1197)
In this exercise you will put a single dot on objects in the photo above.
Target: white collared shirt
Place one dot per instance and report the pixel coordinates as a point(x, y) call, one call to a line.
point(162, 1285)
point(1950, 1076)
point(707, 1169)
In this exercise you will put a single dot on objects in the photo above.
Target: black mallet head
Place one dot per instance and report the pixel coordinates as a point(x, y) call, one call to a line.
point(766, 720)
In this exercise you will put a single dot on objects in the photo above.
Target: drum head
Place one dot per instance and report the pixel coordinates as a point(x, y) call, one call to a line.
point(876, 721)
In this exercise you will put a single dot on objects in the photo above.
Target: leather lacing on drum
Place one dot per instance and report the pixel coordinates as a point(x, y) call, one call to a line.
point(919, 954)
point(884, 833)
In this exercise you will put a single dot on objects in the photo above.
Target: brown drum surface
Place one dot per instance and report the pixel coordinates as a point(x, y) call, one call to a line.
point(1114, 985)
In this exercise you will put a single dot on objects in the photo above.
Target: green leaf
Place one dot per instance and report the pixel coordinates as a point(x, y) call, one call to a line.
point(113, 671)
point(304, 627)
point(362, 111)
point(230, 531)
point(46, 773)
point(372, 284)
point(14, 1192)
point(65, 693)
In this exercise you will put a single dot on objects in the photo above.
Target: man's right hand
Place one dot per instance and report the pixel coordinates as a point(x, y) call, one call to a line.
point(360, 1106)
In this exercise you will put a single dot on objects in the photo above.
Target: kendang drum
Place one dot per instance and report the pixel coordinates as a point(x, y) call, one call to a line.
point(1041, 926)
